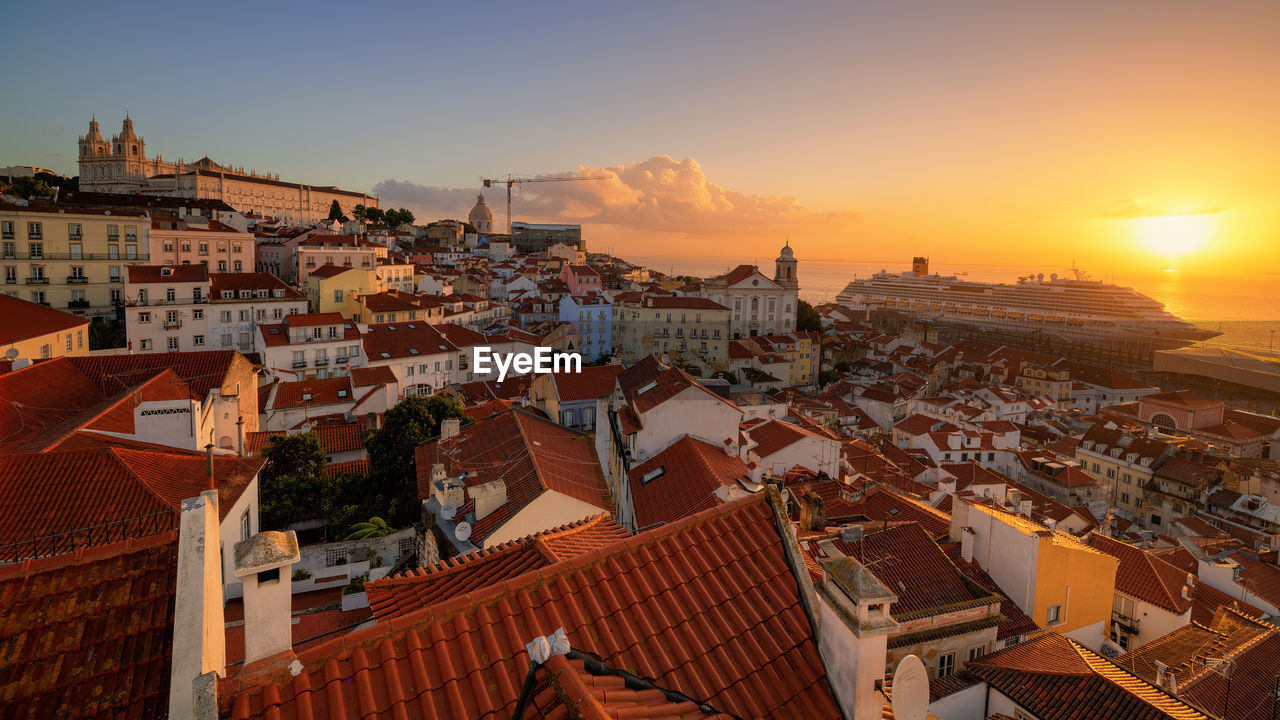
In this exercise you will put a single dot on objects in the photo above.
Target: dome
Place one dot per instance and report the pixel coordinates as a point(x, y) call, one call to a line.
point(481, 218)
point(786, 251)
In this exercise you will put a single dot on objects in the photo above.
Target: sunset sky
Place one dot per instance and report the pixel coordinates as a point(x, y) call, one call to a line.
point(987, 132)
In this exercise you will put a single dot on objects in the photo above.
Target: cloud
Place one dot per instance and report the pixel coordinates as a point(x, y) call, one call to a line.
point(655, 195)
point(1131, 209)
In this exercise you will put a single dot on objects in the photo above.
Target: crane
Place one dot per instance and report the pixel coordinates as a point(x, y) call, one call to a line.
point(510, 180)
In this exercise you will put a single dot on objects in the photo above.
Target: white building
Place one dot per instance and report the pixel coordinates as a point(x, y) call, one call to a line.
point(311, 346)
point(761, 305)
point(180, 308)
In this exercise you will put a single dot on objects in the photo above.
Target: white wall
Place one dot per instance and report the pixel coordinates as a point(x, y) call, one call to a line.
point(551, 509)
point(690, 412)
point(817, 454)
point(968, 704)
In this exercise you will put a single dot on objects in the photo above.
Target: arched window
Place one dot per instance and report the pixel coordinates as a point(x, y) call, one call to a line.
point(1164, 421)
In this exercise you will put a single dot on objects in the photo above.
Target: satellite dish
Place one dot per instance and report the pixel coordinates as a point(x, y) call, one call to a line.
point(11, 354)
point(448, 510)
point(463, 533)
point(306, 427)
point(910, 689)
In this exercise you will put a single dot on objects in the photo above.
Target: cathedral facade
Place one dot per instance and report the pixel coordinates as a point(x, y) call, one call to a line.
point(121, 165)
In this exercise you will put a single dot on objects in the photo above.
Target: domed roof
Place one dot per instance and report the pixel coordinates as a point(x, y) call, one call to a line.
point(786, 251)
point(480, 214)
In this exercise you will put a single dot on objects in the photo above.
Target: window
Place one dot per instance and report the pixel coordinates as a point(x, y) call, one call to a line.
point(334, 557)
point(226, 340)
point(222, 266)
point(7, 228)
point(197, 314)
point(45, 351)
point(35, 231)
point(146, 344)
point(73, 231)
point(68, 342)
point(946, 665)
point(1124, 497)
point(198, 341)
point(225, 316)
point(131, 233)
point(277, 314)
point(244, 525)
point(113, 273)
point(173, 344)
point(239, 266)
point(35, 250)
point(113, 233)
point(144, 317)
point(10, 250)
point(130, 252)
point(977, 652)
point(1156, 519)
point(1054, 615)
point(170, 295)
point(117, 296)
point(10, 274)
point(204, 248)
point(244, 316)
point(337, 296)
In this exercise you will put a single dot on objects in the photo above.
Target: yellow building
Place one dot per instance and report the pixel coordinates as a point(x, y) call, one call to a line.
point(690, 328)
point(35, 332)
point(1060, 582)
point(337, 288)
point(70, 258)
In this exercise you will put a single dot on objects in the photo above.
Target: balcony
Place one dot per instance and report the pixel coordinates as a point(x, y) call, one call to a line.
point(322, 362)
point(78, 304)
point(172, 324)
point(1125, 623)
point(299, 364)
point(77, 280)
point(37, 281)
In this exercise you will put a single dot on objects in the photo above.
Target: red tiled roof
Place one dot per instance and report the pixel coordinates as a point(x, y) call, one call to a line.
point(774, 435)
point(1206, 599)
point(89, 635)
point(1055, 678)
point(592, 382)
point(60, 492)
point(530, 454)
point(738, 274)
point(707, 606)
point(235, 282)
point(321, 392)
point(377, 375)
point(691, 471)
point(328, 270)
point(313, 319)
point(905, 559)
point(425, 586)
point(1143, 575)
point(404, 339)
point(25, 320)
point(877, 502)
point(334, 438)
point(167, 274)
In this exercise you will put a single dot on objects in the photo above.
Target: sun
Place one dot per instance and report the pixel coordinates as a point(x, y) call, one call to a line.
point(1174, 235)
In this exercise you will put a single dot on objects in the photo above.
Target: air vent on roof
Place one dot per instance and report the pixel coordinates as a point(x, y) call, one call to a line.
point(166, 271)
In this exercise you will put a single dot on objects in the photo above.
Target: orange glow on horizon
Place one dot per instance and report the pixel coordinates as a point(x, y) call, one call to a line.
point(1174, 235)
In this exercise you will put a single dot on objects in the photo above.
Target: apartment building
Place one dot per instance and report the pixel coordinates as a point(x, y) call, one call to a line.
point(196, 240)
point(70, 258)
point(311, 346)
point(591, 316)
point(341, 250)
point(690, 328)
point(35, 331)
point(182, 308)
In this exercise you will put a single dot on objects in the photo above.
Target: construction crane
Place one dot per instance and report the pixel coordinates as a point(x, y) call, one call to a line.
point(510, 180)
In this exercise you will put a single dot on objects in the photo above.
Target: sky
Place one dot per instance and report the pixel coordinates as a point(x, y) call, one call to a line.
point(1133, 134)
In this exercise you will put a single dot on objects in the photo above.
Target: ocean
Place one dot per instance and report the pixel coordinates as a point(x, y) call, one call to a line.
point(1243, 306)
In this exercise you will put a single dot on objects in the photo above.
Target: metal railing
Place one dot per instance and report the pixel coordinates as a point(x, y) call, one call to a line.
point(172, 324)
point(37, 281)
point(66, 542)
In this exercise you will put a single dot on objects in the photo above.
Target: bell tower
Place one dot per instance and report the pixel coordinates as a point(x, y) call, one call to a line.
point(785, 272)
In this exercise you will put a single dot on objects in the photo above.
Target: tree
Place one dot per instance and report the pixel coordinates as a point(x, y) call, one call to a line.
point(374, 216)
point(29, 187)
point(335, 212)
point(375, 528)
point(412, 422)
point(807, 319)
point(406, 217)
point(391, 218)
point(828, 377)
point(357, 212)
point(299, 455)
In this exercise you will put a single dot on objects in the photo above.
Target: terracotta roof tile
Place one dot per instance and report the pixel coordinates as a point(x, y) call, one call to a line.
point(707, 606)
point(378, 375)
point(682, 480)
point(89, 635)
point(1143, 575)
point(424, 586)
point(309, 393)
point(25, 320)
point(530, 454)
point(592, 382)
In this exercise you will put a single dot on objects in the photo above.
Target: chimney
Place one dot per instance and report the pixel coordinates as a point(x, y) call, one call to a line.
point(208, 465)
point(199, 632)
point(449, 428)
point(263, 563)
point(812, 511)
point(1160, 670)
point(438, 474)
point(488, 497)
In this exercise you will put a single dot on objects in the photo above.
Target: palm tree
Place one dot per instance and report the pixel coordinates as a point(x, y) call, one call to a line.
point(375, 528)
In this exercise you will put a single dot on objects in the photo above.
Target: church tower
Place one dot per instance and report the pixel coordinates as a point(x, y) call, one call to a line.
point(785, 273)
point(94, 152)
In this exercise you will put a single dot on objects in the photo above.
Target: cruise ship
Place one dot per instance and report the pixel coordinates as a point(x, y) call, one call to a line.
point(1075, 309)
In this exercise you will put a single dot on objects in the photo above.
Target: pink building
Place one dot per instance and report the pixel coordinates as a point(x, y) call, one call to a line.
point(201, 241)
point(581, 279)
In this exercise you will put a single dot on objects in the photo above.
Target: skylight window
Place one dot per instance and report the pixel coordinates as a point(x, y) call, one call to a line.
point(306, 396)
point(651, 385)
point(385, 355)
point(413, 351)
point(273, 331)
point(653, 474)
point(342, 393)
